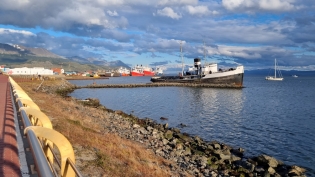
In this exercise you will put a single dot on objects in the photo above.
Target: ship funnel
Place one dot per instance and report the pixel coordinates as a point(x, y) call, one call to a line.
point(197, 62)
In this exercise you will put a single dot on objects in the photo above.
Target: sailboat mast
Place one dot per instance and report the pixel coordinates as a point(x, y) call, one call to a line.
point(275, 67)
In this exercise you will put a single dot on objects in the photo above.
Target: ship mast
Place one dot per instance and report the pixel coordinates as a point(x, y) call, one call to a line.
point(181, 55)
point(204, 53)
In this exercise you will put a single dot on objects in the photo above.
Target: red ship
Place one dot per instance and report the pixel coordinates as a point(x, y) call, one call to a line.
point(137, 71)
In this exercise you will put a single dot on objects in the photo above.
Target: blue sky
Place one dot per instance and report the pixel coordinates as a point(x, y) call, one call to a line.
point(248, 32)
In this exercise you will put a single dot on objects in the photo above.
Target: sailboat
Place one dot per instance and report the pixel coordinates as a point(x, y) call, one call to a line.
point(275, 78)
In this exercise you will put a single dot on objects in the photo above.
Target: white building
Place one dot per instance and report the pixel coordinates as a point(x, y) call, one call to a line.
point(30, 71)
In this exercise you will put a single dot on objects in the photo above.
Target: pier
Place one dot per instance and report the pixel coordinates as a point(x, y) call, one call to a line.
point(160, 85)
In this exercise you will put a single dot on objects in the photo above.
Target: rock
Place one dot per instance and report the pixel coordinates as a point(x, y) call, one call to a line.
point(183, 137)
point(216, 146)
point(136, 126)
point(168, 134)
point(267, 160)
point(271, 170)
point(182, 125)
point(296, 171)
point(164, 118)
point(179, 146)
point(119, 112)
point(187, 151)
point(259, 169)
point(165, 126)
point(142, 130)
point(235, 158)
point(165, 141)
point(239, 152)
point(149, 128)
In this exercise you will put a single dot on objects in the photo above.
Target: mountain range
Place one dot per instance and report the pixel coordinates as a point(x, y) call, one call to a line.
point(13, 55)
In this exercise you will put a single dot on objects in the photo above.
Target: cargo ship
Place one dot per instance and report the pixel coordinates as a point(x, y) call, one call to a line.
point(137, 71)
point(147, 71)
point(142, 71)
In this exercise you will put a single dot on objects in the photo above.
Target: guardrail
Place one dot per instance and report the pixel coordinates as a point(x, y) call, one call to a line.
point(43, 140)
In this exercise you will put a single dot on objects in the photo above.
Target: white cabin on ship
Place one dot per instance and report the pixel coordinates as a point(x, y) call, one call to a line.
point(30, 71)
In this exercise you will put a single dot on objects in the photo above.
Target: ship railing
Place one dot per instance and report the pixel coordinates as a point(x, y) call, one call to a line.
point(52, 153)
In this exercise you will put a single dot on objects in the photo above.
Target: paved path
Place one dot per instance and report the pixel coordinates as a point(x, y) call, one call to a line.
point(9, 159)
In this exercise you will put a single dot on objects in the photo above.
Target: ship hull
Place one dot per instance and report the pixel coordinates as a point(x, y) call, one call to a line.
point(125, 74)
point(109, 74)
point(148, 73)
point(136, 74)
point(234, 79)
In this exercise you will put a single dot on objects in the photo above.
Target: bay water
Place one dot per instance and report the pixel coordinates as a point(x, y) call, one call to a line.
point(276, 118)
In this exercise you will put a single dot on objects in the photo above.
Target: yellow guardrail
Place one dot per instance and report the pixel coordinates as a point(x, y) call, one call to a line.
point(38, 126)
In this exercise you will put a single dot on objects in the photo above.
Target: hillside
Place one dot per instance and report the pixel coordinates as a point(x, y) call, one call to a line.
point(13, 56)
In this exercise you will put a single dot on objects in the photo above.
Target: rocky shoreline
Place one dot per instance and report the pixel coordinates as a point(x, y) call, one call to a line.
point(192, 154)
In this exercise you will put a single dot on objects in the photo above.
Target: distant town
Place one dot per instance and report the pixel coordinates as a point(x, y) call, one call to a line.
point(138, 70)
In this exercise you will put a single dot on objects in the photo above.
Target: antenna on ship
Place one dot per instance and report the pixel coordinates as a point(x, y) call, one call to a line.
point(204, 52)
point(181, 55)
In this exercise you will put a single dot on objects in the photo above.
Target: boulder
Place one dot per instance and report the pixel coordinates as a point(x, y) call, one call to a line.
point(168, 134)
point(265, 160)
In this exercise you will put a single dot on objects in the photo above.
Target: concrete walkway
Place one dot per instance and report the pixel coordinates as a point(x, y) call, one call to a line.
point(9, 158)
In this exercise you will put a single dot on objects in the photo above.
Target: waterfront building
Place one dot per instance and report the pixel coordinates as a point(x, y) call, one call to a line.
point(30, 71)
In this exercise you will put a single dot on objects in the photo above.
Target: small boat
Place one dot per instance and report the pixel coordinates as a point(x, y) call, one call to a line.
point(208, 74)
point(294, 75)
point(275, 78)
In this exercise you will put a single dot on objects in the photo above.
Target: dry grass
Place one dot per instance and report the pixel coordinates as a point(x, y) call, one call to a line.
point(114, 156)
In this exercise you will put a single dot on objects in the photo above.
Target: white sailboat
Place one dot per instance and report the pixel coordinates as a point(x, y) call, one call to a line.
point(275, 78)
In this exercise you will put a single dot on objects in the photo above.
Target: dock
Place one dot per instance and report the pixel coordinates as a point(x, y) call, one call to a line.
point(161, 85)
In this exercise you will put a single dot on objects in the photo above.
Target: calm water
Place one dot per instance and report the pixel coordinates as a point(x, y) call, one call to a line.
point(266, 117)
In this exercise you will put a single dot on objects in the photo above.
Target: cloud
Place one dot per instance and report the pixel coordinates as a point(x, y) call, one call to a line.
point(168, 12)
point(113, 14)
point(246, 31)
point(176, 2)
point(258, 5)
point(4, 31)
point(200, 10)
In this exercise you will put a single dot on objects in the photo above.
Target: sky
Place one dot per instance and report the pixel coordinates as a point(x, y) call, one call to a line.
point(252, 33)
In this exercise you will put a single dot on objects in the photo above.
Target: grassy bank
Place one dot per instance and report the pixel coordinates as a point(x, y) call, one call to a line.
point(98, 152)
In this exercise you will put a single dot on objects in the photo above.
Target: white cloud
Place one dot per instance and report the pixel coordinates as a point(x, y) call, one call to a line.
point(10, 31)
point(257, 5)
point(177, 2)
point(276, 5)
point(200, 10)
point(113, 14)
point(169, 12)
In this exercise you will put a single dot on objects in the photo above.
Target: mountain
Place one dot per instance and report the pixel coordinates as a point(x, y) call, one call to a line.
point(100, 62)
point(13, 55)
point(7, 49)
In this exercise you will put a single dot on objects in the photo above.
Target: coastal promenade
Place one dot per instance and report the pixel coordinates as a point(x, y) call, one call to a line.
point(9, 159)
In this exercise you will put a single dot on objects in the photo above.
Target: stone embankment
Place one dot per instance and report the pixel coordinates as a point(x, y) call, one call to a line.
point(192, 154)
point(160, 85)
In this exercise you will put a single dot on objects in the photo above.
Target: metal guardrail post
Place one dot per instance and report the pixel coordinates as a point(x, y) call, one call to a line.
point(43, 168)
